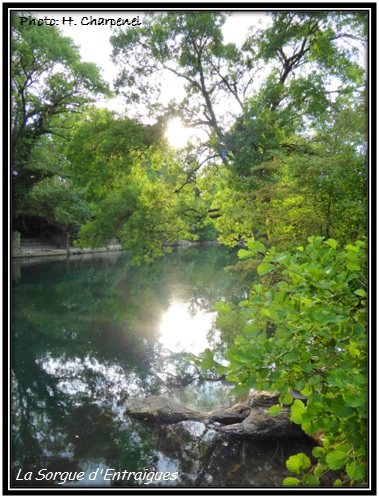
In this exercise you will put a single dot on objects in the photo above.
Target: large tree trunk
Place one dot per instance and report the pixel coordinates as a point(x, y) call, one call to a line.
point(259, 424)
point(251, 420)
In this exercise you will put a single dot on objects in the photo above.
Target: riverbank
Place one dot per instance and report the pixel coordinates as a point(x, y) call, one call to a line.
point(43, 251)
point(34, 250)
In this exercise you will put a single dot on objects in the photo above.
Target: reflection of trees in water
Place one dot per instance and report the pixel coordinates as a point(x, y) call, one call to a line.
point(204, 458)
point(84, 341)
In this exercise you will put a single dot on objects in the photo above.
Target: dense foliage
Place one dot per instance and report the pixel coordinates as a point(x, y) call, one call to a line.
point(49, 84)
point(139, 190)
point(304, 329)
point(293, 99)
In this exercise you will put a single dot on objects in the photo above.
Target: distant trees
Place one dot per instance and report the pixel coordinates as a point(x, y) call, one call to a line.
point(291, 99)
point(60, 204)
point(139, 190)
point(49, 85)
point(265, 106)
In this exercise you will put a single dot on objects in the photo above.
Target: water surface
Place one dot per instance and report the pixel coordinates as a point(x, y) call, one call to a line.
point(90, 332)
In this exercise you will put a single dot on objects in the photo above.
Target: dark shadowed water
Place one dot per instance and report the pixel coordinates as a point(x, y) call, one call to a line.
point(91, 332)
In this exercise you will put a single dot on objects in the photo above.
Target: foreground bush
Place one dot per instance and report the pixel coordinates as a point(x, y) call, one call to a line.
point(305, 330)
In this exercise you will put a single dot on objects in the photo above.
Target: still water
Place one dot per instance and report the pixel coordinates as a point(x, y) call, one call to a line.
point(91, 332)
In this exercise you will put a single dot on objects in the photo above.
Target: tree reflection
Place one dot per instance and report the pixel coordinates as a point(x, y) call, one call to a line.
point(84, 340)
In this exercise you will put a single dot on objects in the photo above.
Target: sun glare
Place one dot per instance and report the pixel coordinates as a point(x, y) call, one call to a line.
point(182, 331)
point(177, 135)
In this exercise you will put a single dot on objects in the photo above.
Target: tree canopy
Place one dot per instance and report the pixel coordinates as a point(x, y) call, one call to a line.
point(279, 91)
point(140, 191)
point(292, 96)
point(189, 45)
point(49, 84)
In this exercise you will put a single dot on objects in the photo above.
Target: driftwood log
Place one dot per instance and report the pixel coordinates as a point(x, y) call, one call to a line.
point(251, 420)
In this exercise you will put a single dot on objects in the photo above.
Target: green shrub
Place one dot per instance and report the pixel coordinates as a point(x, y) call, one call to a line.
point(305, 330)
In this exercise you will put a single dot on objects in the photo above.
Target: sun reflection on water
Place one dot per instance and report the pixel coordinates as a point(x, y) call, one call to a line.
point(182, 330)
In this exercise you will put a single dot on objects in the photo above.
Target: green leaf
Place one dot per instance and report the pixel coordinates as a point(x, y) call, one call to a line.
point(318, 451)
point(274, 376)
point(191, 358)
point(240, 339)
point(316, 400)
point(299, 385)
point(251, 382)
point(337, 483)
point(208, 353)
point(340, 409)
point(361, 243)
point(336, 459)
point(325, 317)
point(207, 363)
point(286, 399)
point(297, 411)
point(354, 399)
point(350, 247)
point(251, 329)
point(352, 266)
point(243, 254)
point(291, 482)
point(315, 380)
point(233, 378)
point(345, 447)
point(222, 307)
point(240, 389)
point(265, 312)
point(360, 452)
point(310, 427)
point(332, 243)
point(318, 471)
point(221, 370)
point(354, 350)
point(256, 246)
point(307, 390)
point(290, 357)
point(337, 378)
point(326, 423)
point(265, 268)
point(306, 367)
point(361, 292)
point(298, 463)
point(355, 470)
point(311, 480)
point(274, 410)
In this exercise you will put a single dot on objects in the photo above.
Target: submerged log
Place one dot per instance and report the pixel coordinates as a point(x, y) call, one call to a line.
point(251, 420)
point(166, 411)
point(161, 409)
point(259, 424)
point(231, 415)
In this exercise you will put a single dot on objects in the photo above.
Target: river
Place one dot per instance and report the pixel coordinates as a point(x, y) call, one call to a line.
point(90, 332)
